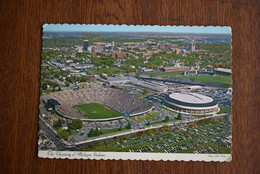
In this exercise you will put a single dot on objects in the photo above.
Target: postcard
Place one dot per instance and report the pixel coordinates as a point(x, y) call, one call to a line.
point(136, 92)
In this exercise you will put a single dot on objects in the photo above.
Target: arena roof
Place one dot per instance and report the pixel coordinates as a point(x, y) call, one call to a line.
point(223, 70)
point(191, 99)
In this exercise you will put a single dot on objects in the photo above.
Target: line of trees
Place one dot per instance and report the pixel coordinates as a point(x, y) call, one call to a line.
point(94, 132)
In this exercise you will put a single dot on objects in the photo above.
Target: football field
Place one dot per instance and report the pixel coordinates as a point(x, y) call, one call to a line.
point(97, 111)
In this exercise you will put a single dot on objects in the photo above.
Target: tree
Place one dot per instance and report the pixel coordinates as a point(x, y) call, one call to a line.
point(69, 127)
point(166, 119)
point(149, 131)
point(67, 83)
point(145, 90)
point(93, 133)
point(84, 79)
point(137, 74)
point(44, 86)
point(179, 116)
point(165, 128)
point(192, 79)
point(62, 133)
point(59, 89)
point(113, 86)
point(139, 134)
point(226, 118)
point(77, 124)
point(58, 124)
point(70, 79)
point(128, 126)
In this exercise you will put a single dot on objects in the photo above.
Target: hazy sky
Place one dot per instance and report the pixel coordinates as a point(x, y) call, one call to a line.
point(132, 28)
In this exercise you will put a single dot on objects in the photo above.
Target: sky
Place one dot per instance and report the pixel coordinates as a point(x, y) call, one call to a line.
point(132, 28)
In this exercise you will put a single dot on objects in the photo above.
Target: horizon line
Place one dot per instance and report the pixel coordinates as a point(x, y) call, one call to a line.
point(136, 28)
point(131, 32)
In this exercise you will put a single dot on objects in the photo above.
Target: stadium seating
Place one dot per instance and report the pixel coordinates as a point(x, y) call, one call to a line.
point(118, 100)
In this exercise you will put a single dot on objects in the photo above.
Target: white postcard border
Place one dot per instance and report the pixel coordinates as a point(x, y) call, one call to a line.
point(135, 156)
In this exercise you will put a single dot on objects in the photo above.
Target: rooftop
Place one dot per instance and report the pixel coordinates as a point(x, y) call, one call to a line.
point(191, 98)
point(223, 70)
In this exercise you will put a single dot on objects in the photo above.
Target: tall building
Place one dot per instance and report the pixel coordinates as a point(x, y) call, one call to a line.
point(192, 46)
point(85, 45)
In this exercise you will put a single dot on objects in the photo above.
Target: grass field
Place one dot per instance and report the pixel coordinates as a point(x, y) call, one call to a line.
point(166, 74)
point(140, 119)
point(169, 110)
point(224, 110)
point(224, 80)
point(155, 114)
point(147, 117)
point(97, 111)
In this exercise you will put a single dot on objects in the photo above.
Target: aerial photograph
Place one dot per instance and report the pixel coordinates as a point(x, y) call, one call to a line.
point(136, 89)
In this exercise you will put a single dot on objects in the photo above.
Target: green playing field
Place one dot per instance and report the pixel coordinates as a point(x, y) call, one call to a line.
point(97, 111)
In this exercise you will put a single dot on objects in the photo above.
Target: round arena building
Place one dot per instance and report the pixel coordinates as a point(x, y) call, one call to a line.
point(193, 103)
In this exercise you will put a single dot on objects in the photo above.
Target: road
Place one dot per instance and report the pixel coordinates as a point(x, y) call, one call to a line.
point(52, 135)
point(144, 129)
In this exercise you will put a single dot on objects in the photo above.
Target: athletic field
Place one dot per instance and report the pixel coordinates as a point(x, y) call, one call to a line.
point(97, 111)
point(224, 80)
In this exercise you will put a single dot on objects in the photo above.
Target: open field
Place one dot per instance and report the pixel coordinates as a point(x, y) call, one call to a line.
point(224, 110)
point(97, 111)
point(225, 80)
point(155, 114)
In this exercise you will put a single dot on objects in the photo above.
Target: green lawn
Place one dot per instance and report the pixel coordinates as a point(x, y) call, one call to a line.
point(142, 95)
point(97, 111)
point(155, 114)
point(224, 110)
point(140, 119)
point(132, 120)
point(169, 110)
point(147, 117)
point(166, 74)
point(224, 80)
point(110, 131)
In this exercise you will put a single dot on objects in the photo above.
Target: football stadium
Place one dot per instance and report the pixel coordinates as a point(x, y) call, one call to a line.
point(193, 103)
point(97, 104)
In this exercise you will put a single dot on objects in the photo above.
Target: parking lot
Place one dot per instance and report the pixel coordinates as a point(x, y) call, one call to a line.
point(212, 138)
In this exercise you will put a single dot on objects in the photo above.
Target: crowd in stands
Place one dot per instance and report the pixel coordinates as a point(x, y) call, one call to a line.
point(121, 101)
